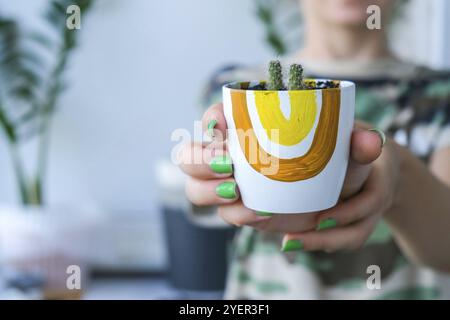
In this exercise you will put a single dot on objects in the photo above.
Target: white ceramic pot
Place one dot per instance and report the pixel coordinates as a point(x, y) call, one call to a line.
point(289, 149)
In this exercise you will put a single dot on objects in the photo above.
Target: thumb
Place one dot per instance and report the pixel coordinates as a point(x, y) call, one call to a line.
point(366, 147)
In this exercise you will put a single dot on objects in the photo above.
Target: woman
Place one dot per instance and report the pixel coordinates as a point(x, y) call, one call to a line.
point(394, 212)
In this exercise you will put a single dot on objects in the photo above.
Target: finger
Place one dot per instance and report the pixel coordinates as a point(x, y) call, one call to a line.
point(211, 192)
point(368, 202)
point(204, 162)
point(278, 223)
point(213, 122)
point(238, 215)
point(355, 177)
point(346, 238)
point(365, 148)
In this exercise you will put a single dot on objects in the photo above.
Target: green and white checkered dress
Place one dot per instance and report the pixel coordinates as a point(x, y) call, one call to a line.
point(412, 104)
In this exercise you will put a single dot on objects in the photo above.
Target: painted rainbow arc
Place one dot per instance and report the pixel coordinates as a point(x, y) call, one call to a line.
point(302, 110)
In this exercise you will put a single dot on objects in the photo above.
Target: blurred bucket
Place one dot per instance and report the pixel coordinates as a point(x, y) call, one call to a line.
point(198, 240)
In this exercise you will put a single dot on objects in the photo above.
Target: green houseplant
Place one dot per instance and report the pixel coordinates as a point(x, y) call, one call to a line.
point(36, 237)
point(29, 96)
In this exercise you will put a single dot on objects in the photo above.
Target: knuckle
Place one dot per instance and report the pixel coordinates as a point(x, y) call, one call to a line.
point(194, 197)
point(377, 201)
point(185, 153)
point(357, 216)
point(360, 240)
point(240, 221)
point(216, 105)
point(356, 245)
point(360, 243)
point(320, 243)
point(223, 213)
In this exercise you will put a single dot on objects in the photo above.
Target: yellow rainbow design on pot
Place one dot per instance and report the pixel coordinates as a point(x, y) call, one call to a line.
point(293, 130)
point(325, 135)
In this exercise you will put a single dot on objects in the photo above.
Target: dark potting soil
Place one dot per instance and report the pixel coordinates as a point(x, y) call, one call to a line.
point(309, 85)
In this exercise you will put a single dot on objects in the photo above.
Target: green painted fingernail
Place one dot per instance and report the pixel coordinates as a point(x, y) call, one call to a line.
point(221, 164)
point(381, 134)
point(211, 125)
point(226, 190)
point(327, 223)
point(263, 214)
point(292, 245)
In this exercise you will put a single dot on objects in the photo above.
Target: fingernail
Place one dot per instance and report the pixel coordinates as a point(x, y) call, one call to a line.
point(327, 223)
point(221, 164)
point(263, 214)
point(226, 190)
point(381, 134)
point(292, 245)
point(211, 124)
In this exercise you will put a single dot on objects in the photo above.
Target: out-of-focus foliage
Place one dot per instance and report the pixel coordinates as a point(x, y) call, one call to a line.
point(30, 84)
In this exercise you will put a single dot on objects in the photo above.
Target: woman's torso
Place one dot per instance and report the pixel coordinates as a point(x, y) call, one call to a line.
point(412, 104)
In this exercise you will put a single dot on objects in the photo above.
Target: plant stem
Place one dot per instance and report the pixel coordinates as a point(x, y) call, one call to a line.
point(19, 173)
point(48, 108)
point(42, 159)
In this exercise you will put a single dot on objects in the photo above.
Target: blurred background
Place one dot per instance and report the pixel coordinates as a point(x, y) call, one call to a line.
point(108, 178)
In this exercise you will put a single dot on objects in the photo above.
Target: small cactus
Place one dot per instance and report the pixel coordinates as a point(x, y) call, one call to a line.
point(296, 77)
point(275, 76)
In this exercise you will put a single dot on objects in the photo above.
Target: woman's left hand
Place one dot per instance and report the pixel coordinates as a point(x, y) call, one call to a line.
point(349, 224)
point(369, 189)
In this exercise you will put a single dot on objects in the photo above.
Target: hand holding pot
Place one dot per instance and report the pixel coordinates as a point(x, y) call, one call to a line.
point(367, 191)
